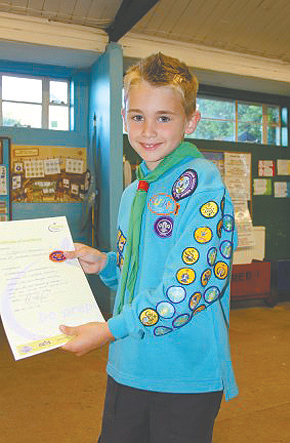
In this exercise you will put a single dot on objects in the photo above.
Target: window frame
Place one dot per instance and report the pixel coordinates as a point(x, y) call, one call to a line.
point(45, 103)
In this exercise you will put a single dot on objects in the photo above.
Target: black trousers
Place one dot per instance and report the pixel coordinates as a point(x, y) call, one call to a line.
point(136, 416)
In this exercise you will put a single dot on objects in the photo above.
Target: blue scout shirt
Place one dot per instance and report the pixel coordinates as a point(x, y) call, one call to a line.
point(174, 335)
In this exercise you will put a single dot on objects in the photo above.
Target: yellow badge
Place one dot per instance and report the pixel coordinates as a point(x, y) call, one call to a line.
point(185, 276)
point(149, 317)
point(209, 209)
point(194, 300)
point(205, 277)
point(221, 270)
point(190, 256)
point(203, 235)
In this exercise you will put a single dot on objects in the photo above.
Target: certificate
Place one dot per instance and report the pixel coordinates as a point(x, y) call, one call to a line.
point(39, 288)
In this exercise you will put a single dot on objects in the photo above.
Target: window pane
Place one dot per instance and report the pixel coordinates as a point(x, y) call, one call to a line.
point(273, 135)
point(20, 114)
point(273, 114)
point(58, 118)
point(22, 89)
point(58, 92)
point(250, 113)
point(249, 133)
point(216, 109)
point(215, 130)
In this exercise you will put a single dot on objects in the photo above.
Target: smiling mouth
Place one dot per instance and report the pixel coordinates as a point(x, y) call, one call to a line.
point(150, 146)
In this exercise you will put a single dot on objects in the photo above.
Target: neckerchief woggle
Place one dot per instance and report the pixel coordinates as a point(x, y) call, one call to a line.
point(131, 260)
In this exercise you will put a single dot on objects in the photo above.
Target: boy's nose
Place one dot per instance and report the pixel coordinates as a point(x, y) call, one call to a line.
point(149, 129)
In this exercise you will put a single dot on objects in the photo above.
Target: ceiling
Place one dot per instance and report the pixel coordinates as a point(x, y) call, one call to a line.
point(253, 31)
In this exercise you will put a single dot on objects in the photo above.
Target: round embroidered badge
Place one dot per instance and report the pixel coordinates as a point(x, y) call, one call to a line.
point(211, 256)
point(190, 256)
point(149, 317)
point(209, 209)
point(219, 228)
point(221, 270)
point(176, 294)
point(161, 330)
point(181, 321)
point(185, 185)
point(194, 300)
point(165, 309)
point(163, 226)
point(226, 249)
point(228, 223)
point(205, 276)
point(211, 294)
point(185, 276)
point(57, 256)
point(203, 235)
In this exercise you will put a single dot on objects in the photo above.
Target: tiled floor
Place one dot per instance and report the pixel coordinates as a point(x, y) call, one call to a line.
point(58, 398)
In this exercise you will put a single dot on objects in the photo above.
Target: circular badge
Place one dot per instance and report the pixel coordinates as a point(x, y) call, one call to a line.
point(176, 294)
point(190, 256)
point(211, 294)
point(181, 320)
point(194, 300)
point(199, 309)
point(185, 185)
point(228, 223)
point(161, 330)
point(165, 309)
point(163, 227)
point(57, 256)
point(185, 276)
point(219, 228)
point(203, 235)
point(226, 249)
point(149, 317)
point(211, 256)
point(221, 270)
point(205, 276)
point(209, 209)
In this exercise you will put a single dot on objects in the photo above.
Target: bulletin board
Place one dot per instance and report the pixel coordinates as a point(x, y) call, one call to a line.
point(46, 174)
point(5, 200)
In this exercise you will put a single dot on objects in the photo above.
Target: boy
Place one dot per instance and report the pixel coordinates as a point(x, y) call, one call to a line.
point(169, 359)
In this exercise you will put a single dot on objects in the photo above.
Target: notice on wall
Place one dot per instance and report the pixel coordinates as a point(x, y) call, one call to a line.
point(266, 168)
point(281, 189)
point(283, 167)
point(39, 288)
point(3, 181)
point(262, 186)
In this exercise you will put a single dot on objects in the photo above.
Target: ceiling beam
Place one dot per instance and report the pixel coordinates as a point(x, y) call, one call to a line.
point(129, 13)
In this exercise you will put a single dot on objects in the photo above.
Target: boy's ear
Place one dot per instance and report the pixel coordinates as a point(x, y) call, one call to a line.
point(123, 112)
point(192, 122)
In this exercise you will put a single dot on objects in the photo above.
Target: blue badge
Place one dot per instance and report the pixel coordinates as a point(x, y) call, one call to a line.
point(165, 309)
point(176, 294)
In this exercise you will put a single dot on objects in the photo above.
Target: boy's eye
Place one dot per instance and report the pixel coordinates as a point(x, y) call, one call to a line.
point(164, 118)
point(137, 118)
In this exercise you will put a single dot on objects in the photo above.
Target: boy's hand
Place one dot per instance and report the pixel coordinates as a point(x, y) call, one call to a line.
point(86, 337)
point(92, 261)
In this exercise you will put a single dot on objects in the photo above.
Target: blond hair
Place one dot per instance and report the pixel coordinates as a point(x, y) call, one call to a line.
point(162, 70)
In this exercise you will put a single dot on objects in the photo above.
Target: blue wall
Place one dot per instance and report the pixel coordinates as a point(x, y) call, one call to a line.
point(43, 137)
point(106, 152)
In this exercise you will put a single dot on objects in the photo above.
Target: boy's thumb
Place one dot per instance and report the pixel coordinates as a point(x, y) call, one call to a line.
point(67, 330)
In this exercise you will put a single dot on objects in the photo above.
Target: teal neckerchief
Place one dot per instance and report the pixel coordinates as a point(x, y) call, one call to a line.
point(131, 261)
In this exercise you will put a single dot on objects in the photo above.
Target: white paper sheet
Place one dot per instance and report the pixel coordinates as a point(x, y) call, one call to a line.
point(39, 289)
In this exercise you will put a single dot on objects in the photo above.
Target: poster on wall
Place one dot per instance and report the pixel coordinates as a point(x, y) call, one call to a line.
point(46, 174)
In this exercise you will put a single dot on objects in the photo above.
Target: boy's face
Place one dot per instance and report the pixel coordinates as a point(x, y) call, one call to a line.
point(156, 122)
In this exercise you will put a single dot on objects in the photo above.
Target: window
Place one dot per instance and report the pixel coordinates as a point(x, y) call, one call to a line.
point(238, 121)
point(34, 102)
